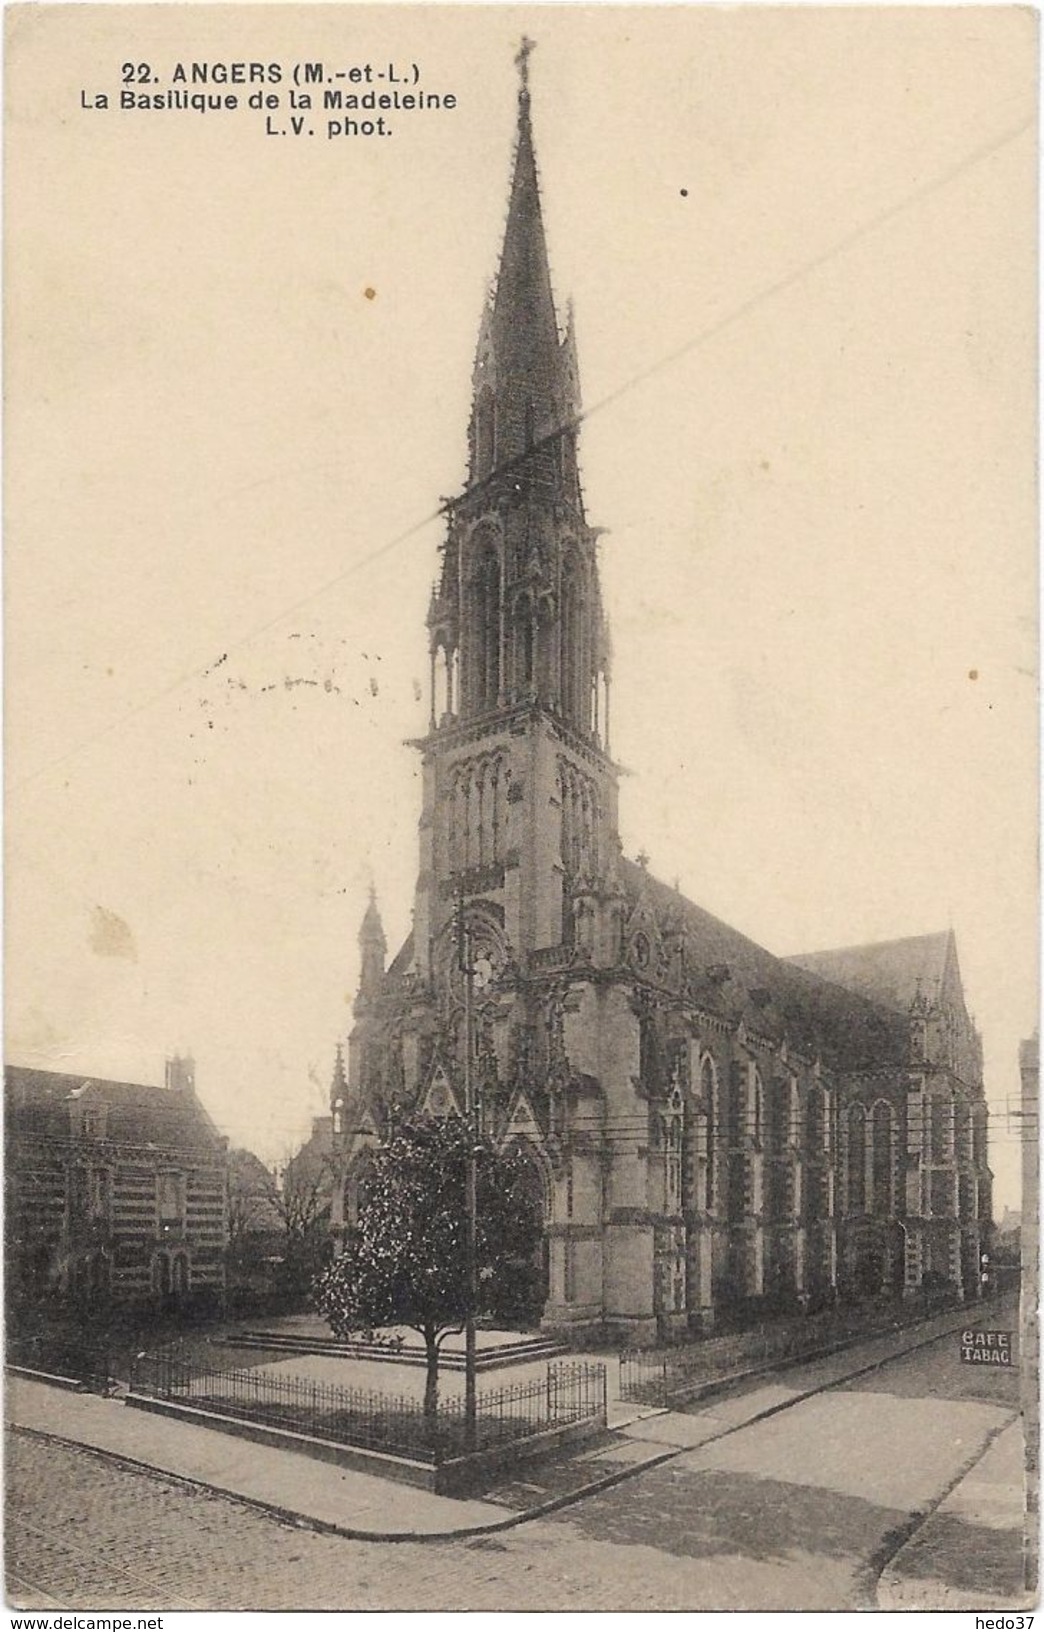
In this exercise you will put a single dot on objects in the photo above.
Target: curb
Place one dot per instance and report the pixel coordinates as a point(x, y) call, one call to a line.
point(895, 1546)
point(512, 1520)
point(54, 1378)
point(304, 1521)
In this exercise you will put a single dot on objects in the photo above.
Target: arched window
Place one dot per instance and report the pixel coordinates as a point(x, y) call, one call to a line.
point(486, 643)
point(482, 814)
point(882, 1158)
point(816, 1178)
point(979, 1135)
point(963, 1132)
point(564, 819)
point(455, 823)
point(572, 644)
point(442, 703)
point(737, 1103)
point(777, 1106)
point(496, 811)
point(857, 1159)
point(736, 1170)
point(673, 1125)
point(777, 1190)
point(525, 645)
point(815, 1124)
point(709, 1091)
point(941, 1128)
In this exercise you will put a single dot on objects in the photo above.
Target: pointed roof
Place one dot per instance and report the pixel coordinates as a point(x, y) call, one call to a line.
point(403, 959)
point(894, 973)
point(526, 382)
point(523, 328)
point(371, 932)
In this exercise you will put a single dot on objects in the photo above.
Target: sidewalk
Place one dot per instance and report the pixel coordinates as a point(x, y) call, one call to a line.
point(283, 1482)
point(362, 1505)
point(968, 1552)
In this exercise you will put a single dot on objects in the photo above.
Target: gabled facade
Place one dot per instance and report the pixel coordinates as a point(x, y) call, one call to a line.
point(115, 1192)
point(708, 1127)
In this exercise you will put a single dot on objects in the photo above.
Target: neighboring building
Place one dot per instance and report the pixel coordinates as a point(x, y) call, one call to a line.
point(256, 1236)
point(279, 1224)
point(1006, 1254)
point(708, 1127)
point(307, 1173)
point(1029, 1306)
point(305, 1191)
point(253, 1209)
point(114, 1191)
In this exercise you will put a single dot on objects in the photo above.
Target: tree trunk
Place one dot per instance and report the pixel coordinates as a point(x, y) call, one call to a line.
point(431, 1381)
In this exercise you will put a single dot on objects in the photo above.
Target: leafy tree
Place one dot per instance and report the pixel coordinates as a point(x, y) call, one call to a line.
point(405, 1262)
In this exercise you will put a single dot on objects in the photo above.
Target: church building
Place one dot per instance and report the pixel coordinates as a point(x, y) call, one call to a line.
point(712, 1131)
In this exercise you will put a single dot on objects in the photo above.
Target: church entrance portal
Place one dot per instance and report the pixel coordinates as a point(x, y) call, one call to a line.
point(530, 1277)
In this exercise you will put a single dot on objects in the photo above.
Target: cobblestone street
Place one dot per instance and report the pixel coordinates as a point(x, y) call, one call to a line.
point(92, 1535)
point(791, 1512)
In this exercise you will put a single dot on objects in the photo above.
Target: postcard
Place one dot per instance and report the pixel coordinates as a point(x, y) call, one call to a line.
point(521, 809)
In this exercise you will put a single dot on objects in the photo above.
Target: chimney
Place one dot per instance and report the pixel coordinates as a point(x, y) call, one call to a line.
point(181, 1073)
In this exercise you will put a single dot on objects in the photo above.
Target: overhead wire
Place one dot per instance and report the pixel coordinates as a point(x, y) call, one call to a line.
point(743, 309)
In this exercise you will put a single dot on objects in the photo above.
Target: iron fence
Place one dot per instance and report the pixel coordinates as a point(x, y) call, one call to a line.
point(75, 1359)
point(670, 1375)
point(397, 1424)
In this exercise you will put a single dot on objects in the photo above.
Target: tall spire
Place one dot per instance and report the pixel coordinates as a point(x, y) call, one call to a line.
point(373, 947)
point(517, 618)
point(524, 372)
point(372, 930)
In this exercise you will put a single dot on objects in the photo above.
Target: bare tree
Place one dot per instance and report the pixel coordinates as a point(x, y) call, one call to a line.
point(253, 1200)
point(302, 1198)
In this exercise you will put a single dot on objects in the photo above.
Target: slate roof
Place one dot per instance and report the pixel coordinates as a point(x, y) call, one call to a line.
point(38, 1102)
point(403, 958)
point(776, 996)
point(891, 973)
point(849, 1007)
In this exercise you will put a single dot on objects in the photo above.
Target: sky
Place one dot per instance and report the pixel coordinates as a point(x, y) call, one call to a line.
point(801, 250)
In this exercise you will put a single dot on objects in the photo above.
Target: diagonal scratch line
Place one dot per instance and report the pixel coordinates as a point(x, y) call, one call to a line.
point(789, 279)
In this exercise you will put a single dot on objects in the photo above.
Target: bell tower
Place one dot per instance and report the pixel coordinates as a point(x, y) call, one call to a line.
point(520, 792)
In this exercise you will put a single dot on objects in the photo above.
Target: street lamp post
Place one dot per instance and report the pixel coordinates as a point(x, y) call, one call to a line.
point(471, 1181)
point(901, 1224)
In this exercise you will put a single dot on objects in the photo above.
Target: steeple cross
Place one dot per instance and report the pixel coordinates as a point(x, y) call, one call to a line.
point(522, 62)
